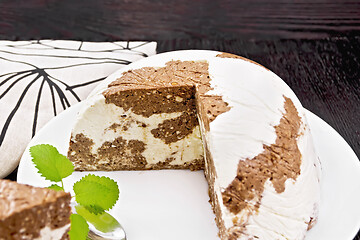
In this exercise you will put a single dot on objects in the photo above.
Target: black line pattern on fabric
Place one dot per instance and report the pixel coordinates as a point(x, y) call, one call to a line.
point(84, 64)
point(14, 83)
point(85, 84)
point(51, 81)
point(12, 114)
point(132, 49)
point(74, 57)
point(81, 43)
point(37, 105)
point(41, 74)
point(16, 61)
point(49, 47)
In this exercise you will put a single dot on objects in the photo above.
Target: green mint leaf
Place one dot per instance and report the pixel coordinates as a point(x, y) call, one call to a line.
point(79, 228)
point(103, 222)
point(96, 193)
point(51, 164)
point(95, 209)
point(56, 187)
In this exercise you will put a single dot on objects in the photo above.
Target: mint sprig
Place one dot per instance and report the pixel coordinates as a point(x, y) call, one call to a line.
point(51, 164)
point(56, 187)
point(97, 194)
point(94, 194)
point(79, 228)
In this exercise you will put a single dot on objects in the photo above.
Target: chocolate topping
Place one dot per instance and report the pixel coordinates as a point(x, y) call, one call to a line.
point(229, 55)
point(147, 102)
point(25, 210)
point(277, 163)
point(168, 89)
point(213, 106)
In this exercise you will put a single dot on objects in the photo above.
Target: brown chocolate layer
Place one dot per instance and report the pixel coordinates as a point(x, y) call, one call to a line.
point(213, 106)
point(119, 155)
point(229, 55)
point(80, 152)
point(25, 210)
point(210, 174)
point(168, 89)
point(194, 165)
point(148, 91)
point(277, 163)
point(116, 155)
point(130, 150)
point(175, 129)
point(175, 73)
point(147, 102)
point(125, 124)
point(66, 235)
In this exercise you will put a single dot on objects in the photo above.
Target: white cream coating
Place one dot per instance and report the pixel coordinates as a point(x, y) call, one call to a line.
point(256, 98)
point(52, 234)
point(285, 214)
point(290, 209)
point(95, 119)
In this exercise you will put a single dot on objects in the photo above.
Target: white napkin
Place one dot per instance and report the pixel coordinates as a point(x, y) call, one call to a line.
point(39, 79)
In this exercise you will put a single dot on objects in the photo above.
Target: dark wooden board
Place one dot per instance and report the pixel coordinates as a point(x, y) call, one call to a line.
point(159, 19)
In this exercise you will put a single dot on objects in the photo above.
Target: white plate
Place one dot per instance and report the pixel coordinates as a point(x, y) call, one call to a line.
point(173, 204)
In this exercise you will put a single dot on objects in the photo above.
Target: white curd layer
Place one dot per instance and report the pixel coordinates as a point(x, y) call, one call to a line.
point(52, 234)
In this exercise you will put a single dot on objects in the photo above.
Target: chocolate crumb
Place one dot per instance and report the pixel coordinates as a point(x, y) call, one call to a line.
point(173, 130)
point(229, 55)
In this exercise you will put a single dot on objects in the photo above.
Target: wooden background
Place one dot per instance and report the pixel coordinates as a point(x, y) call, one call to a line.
point(313, 45)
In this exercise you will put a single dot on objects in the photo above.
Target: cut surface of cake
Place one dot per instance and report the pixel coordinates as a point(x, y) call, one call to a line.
point(28, 212)
point(214, 111)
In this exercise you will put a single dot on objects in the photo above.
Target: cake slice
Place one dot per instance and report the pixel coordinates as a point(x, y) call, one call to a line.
point(146, 119)
point(176, 109)
point(28, 212)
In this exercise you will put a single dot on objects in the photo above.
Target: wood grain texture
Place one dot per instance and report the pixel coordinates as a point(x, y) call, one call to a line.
point(158, 19)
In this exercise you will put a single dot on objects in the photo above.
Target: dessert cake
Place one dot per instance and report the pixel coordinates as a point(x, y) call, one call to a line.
point(211, 110)
point(28, 212)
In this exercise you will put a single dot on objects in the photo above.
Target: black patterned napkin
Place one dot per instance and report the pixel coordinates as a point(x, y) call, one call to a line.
point(39, 79)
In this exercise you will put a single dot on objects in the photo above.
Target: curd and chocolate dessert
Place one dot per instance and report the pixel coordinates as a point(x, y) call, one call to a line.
point(214, 111)
point(28, 212)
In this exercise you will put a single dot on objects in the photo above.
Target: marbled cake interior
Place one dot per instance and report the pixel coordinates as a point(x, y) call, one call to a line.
point(146, 119)
point(112, 138)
